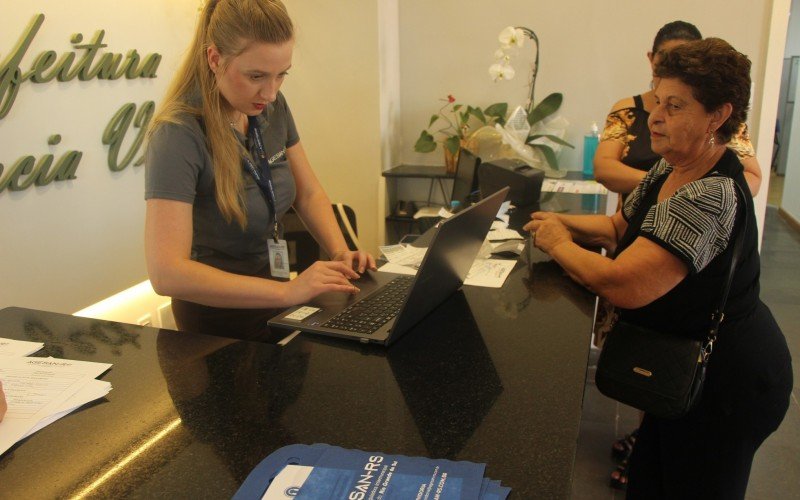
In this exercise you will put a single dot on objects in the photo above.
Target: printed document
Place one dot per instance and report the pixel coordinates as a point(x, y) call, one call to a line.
point(38, 389)
point(17, 348)
point(575, 187)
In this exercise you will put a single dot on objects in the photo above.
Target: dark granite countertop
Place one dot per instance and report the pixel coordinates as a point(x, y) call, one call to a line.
point(492, 375)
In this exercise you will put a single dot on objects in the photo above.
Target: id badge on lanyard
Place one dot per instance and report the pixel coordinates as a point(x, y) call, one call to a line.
point(277, 248)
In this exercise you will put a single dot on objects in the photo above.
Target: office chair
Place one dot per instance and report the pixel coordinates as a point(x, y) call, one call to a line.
point(303, 248)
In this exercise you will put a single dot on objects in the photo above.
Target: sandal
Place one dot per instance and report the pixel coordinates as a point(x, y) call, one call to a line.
point(622, 448)
point(619, 476)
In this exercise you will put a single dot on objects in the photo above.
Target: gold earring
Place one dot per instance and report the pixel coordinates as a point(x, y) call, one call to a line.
point(711, 141)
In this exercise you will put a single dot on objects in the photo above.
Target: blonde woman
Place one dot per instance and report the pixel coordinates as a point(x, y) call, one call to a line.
point(224, 163)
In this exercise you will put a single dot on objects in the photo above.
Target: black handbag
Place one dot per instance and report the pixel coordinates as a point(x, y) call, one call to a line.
point(657, 372)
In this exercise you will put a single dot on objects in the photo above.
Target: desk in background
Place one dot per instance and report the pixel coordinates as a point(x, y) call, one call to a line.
point(398, 226)
point(493, 376)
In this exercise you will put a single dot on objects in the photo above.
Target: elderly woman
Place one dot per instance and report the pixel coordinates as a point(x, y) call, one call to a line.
point(670, 248)
point(624, 154)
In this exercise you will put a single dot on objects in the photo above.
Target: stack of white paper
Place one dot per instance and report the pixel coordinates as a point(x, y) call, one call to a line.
point(39, 391)
point(573, 186)
point(406, 259)
point(17, 348)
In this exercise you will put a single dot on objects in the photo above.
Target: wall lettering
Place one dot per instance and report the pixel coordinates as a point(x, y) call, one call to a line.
point(116, 129)
point(85, 62)
point(26, 171)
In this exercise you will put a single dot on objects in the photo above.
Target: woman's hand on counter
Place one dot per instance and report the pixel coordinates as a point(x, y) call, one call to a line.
point(547, 231)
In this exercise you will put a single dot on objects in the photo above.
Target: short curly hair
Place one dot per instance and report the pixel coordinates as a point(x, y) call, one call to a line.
point(717, 73)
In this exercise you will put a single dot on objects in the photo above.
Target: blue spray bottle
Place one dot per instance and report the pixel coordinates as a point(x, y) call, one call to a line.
point(590, 142)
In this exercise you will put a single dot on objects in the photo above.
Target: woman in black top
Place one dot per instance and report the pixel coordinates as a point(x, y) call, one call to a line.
point(623, 158)
point(624, 154)
point(670, 247)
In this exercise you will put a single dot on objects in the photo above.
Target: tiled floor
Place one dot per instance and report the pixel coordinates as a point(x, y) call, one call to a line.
point(776, 469)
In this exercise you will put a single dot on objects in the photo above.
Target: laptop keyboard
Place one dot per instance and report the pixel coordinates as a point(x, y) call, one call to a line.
point(369, 314)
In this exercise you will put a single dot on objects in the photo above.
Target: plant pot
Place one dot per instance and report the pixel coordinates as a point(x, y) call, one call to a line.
point(450, 161)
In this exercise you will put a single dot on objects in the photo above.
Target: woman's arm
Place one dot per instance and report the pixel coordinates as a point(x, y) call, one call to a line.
point(586, 230)
point(168, 242)
point(608, 167)
point(752, 173)
point(627, 281)
point(611, 172)
point(315, 209)
point(741, 145)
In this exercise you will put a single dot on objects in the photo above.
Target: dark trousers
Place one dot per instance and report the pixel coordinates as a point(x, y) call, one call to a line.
point(699, 456)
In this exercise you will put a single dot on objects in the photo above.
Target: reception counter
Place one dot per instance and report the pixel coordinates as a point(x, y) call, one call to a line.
point(492, 375)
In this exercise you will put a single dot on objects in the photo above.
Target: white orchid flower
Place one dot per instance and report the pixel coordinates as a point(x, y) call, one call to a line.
point(511, 37)
point(499, 54)
point(501, 72)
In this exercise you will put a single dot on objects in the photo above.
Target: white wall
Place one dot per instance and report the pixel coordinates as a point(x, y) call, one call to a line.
point(790, 202)
point(592, 52)
point(793, 36)
point(69, 244)
point(333, 89)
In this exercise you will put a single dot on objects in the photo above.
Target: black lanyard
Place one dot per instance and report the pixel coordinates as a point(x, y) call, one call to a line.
point(263, 176)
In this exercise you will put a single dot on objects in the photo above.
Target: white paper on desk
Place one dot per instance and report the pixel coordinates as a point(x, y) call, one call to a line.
point(37, 388)
point(498, 224)
point(573, 186)
point(504, 207)
point(95, 389)
point(404, 255)
point(18, 348)
point(503, 234)
point(391, 267)
point(490, 273)
point(427, 212)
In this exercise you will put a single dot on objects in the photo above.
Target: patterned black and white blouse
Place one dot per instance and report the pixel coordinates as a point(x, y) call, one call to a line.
point(695, 223)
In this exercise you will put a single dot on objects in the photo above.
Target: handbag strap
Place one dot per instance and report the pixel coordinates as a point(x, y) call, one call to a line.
point(718, 315)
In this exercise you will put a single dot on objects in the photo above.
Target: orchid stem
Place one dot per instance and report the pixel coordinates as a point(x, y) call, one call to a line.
point(529, 32)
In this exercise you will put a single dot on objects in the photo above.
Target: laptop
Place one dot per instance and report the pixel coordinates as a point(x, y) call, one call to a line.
point(389, 304)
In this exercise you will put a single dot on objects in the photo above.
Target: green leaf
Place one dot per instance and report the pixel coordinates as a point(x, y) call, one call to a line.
point(456, 107)
point(425, 143)
point(452, 143)
point(545, 108)
point(553, 138)
point(463, 118)
point(497, 111)
point(433, 119)
point(548, 154)
point(477, 113)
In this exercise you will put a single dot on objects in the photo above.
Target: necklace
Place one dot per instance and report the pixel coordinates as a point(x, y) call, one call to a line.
point(233, 124)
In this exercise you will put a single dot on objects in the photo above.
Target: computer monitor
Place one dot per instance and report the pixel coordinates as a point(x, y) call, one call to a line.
point(466, 182)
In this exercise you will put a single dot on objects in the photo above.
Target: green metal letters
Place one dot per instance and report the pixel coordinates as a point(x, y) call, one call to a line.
point(85, 63)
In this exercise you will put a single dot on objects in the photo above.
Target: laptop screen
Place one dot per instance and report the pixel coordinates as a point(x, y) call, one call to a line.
point(465, 182)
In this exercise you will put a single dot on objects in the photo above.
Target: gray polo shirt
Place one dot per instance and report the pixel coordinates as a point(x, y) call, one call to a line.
point(178, 167)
